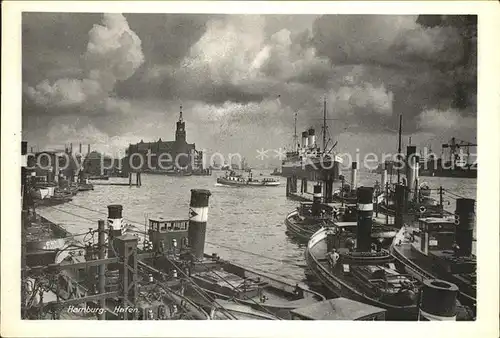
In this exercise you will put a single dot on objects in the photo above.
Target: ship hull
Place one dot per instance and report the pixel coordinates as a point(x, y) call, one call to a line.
point(298, 231)
point(280, 297)
point(44, 239)
point(422, 266)
point(340, 288)
point(449, 173)
point(312, 169)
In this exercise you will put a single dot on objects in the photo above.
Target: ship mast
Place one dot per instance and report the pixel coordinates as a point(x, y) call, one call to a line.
point(399, 144)
point(295, 137)
point(324, 125)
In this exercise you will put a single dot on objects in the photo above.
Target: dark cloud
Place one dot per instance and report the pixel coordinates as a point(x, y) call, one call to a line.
point(167, 38)
point(228, 71)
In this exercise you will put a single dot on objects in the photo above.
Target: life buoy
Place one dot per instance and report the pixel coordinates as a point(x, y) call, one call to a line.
point(422, 209)
point(457, 219)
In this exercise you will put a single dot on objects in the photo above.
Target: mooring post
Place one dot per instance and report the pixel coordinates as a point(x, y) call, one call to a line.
point(127, 249)
point(441, 197)
point(438, 301)
point(102, 268)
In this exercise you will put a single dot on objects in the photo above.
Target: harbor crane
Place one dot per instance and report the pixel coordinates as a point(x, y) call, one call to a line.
point(455, 144)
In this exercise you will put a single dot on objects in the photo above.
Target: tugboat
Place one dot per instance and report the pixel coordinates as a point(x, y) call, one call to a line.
point(310, 217)
point(442, 247)
point(180, 245)
point(234, 179)
point(360, 269)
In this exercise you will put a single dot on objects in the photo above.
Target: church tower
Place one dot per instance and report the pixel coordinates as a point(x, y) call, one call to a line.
point(180, 132)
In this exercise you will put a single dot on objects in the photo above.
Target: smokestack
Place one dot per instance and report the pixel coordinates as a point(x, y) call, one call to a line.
point(438, 301)
point(80, 149)
point(383, 178)
point(354, 175)
point(198, 216)
point(400, 200)
point(24, 154)
point(464, 219)
point(305, 142)
point(410, 171)
point(316, 206)
point(365, 214)
point(312, 138)
point(88, 149)
point(115, 221)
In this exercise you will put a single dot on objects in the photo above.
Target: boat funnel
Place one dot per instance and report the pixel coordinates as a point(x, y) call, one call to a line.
point(311, 138)
point(305, 141)
point(383, 178)
point(198, 216)
point(464, 219)
point(24, 154)
point(412, 171)
point(438, 301)
point(354, 175)
point(115, 221)
point(365, 214)
point(316, 206)
point(400, 202)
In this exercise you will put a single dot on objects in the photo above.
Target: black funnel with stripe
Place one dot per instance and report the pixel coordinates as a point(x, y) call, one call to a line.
point(198, 216)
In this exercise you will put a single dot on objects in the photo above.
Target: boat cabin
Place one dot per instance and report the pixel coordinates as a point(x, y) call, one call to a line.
point(168, 233)
point(339, 309)
point(435, 234)
point(306, 209)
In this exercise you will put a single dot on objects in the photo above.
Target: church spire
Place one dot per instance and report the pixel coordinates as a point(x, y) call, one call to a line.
point(180, 133)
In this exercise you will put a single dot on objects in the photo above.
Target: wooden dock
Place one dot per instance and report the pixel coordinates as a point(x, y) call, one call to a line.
point(122, 184)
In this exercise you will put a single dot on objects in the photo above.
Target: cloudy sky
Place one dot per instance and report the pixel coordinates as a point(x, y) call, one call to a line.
point(112, 79)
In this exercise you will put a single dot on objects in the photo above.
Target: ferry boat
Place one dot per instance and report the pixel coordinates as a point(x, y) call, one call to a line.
point(233, 179)
point(276, 172)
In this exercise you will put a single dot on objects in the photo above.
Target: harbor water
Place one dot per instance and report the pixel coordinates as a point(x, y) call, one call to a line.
point(246, 219)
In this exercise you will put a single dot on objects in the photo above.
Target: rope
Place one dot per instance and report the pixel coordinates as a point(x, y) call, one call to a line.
point(256, 254)
point(210, 299)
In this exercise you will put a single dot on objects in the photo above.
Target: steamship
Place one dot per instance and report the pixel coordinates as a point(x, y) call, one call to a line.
point(233, 179)
point(309, 161)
